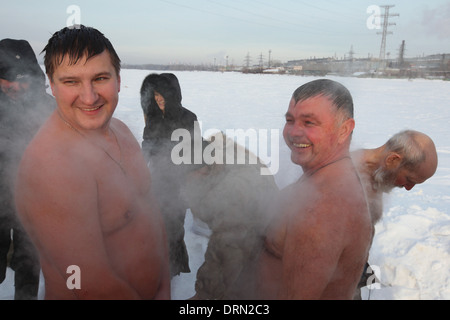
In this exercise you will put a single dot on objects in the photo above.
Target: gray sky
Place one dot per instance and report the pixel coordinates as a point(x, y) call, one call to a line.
point(204, 31)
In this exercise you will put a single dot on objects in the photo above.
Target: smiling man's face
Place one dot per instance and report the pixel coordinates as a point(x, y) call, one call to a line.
point(87, 92)
point(311, 132)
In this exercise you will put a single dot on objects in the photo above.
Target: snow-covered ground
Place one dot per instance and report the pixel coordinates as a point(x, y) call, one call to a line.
point(411, 249)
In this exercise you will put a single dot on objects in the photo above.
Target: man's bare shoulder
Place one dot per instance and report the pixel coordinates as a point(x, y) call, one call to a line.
point(47, 144)
point(334, 192)
point(357, 155)
point(53, 153)
point(340, 181)
point(124, 133)
point(121, 127)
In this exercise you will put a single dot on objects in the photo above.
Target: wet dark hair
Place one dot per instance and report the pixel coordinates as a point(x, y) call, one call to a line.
point(77, 42)
point(336, 92)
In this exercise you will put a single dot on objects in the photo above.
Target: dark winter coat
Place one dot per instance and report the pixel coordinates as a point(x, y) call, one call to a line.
point(157, 147)
point(159, 126)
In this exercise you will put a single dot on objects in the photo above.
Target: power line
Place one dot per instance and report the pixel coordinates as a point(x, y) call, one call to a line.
point(323, 9)
point(278, 23)
point(213, 13)
point(269, 18)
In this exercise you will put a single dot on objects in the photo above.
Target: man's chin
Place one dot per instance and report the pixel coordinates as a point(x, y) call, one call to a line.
point(296, 159)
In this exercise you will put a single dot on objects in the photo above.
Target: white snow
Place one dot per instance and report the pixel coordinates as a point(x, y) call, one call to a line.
point(411, 249)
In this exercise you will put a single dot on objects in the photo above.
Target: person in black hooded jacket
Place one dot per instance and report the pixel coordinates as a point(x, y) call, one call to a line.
point(163, 112)
point(24, 106)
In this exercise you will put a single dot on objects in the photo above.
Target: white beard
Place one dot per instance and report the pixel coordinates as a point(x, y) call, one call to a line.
point(383, 180)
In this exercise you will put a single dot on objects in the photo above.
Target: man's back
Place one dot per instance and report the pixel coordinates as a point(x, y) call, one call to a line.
point(342, 214)
point(319, 245)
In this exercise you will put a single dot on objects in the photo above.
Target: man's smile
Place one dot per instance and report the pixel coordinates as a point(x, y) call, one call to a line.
point(301, 145)
point(91, 109)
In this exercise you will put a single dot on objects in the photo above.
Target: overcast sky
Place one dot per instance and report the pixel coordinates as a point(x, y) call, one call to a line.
point(204, 31)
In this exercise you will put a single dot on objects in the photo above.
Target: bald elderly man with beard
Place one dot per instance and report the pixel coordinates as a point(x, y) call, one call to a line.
point(407, 159)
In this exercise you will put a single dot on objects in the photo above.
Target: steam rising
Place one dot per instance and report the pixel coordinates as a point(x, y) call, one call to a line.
point(19, 121)
point(232, 199)
point(437, 21)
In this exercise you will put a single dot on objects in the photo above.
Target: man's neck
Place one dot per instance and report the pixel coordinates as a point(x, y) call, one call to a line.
point(371, 159)
point(309, 171)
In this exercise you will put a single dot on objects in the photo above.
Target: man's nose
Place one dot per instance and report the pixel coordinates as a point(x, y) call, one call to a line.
point(88, 94)
point(409, 186)
point(296, 131)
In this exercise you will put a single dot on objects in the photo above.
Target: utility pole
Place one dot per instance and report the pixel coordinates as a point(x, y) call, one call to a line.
point(385, 32)
point(270, 54)
point(248, 60)
point(261, 61)
point(401, 56)
point(351, 53)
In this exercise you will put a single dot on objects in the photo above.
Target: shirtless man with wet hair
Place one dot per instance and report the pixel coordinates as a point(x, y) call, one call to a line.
point(318, 243)
point(84, 190)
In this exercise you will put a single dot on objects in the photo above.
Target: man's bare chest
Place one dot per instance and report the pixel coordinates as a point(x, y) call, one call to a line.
point(121, 197)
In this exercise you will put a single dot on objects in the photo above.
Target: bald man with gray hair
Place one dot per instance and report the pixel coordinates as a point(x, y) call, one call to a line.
point(406, 159)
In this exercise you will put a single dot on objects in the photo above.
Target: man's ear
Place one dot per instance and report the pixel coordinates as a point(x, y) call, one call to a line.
point(393, 160)
point(346, 130)
point(50, 80)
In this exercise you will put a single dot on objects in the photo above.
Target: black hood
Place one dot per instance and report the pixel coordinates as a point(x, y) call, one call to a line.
point(18, 62)
point(168, 86)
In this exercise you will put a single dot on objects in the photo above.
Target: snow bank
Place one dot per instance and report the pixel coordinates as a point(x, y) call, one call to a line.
point(412, 250)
